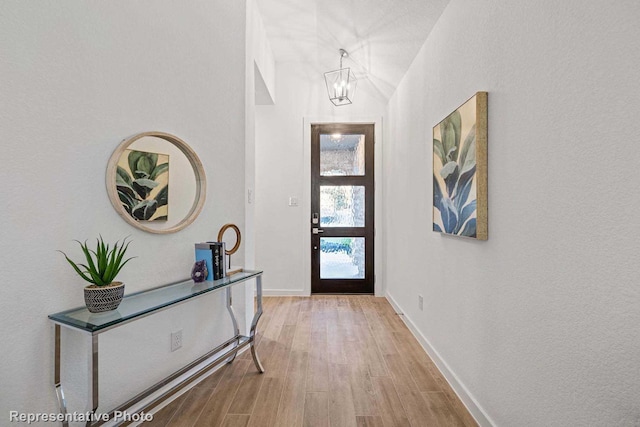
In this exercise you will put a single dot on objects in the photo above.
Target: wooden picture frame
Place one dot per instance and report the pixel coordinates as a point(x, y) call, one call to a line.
point(194, 163)
point(460, 171)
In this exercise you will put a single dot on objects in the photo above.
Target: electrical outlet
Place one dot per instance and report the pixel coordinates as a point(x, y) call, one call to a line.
point(420, 302)
point(176, 340)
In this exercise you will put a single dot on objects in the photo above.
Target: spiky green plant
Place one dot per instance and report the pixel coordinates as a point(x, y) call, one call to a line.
point(102, 265)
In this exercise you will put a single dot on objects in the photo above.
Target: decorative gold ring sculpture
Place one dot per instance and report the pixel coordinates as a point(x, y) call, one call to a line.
point(238, 237)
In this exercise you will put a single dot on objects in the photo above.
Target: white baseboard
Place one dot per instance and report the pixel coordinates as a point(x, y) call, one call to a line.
point(284, 293)
point(465, 396)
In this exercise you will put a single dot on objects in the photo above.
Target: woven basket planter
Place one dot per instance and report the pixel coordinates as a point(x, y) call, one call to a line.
point(103, 298)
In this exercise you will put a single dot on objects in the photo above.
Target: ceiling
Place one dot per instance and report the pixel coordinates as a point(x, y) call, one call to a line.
point(381, 36)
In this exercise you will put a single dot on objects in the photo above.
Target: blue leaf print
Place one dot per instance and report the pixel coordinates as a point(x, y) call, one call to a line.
point(450, 175)
point(437, 194)
point(465, 214)
point(449, 215)
point(464, 188)
point(469, 229)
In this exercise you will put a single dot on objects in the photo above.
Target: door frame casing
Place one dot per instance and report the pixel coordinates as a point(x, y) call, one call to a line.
point(379, 286)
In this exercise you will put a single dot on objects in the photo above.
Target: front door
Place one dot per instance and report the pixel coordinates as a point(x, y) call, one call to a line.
point(342, 204)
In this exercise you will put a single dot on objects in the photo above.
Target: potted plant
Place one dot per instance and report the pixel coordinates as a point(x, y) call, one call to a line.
point(102, 266)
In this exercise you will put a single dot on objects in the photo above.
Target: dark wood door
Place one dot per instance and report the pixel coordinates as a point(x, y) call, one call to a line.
point(342, 208)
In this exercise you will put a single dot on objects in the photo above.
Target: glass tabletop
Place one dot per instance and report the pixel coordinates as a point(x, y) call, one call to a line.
point(145, 302)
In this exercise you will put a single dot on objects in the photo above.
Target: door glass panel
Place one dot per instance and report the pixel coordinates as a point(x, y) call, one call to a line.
point(341, 155)
point(342, 257)
point(342, 206)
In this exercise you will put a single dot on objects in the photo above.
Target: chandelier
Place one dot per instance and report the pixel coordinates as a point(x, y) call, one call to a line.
point(341, 83)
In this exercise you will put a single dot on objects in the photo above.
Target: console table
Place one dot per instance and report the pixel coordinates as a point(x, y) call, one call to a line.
point(142, 304)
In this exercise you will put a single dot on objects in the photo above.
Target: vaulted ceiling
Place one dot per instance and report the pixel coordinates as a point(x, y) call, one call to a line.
point(381, 36)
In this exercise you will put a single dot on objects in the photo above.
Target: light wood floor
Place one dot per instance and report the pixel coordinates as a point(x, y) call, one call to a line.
point(336, 361)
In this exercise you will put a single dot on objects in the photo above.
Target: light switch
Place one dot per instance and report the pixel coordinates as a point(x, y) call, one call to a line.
point(293, 201)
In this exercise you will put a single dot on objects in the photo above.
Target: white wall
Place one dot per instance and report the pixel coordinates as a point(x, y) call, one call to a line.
point(280, 163)
point(78, 77)
point(262, 55)
point(540, 323)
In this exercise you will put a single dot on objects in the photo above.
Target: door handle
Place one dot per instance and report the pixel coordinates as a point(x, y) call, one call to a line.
point(316, 230)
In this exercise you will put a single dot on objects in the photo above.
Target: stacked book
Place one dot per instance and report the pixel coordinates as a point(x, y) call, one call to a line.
point(213, 254)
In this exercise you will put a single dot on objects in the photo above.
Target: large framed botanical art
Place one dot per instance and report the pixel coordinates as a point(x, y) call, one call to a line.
point(460, 171)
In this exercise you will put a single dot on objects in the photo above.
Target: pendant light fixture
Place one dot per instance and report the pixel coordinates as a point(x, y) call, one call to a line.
point(341, 83)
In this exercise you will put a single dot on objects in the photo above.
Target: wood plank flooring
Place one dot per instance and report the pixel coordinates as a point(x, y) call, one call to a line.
point(330, 361)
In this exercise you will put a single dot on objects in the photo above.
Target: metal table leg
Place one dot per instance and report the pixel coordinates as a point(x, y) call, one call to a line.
point(62, 402)
point(93, 393)
point(236, 330)
point(254, 325)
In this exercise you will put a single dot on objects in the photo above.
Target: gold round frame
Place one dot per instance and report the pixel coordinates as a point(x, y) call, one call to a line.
point(238, 237)
point(198, 170)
